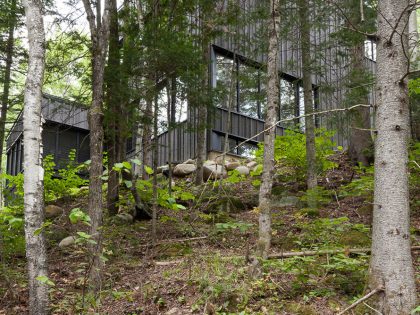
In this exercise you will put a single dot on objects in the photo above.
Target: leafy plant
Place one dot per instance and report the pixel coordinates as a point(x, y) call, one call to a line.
point(290, 154)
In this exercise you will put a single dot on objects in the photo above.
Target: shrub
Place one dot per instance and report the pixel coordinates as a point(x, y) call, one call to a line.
point(290, 154)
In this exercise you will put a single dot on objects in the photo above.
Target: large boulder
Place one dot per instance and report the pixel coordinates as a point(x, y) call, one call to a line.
point(243, 170)
point(67, 241)
point(189, 161)
point(53, 211)
point(252, 164)
point(209, 163)
point(230, 166)
point(184, 169)
point(214, 172)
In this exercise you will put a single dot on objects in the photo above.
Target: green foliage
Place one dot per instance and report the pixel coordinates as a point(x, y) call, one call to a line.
point(319, 194)
point(328, 233)
point(11, 229)
point(362, 186)
point(77, 215)
point(290, 154)
point(241, 226)
point(45, 280)
point(64, 182)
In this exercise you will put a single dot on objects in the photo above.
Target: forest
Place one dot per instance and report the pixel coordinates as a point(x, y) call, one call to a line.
point(209, 157)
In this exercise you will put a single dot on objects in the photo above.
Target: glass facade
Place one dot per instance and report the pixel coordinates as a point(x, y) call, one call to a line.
point(244, 86)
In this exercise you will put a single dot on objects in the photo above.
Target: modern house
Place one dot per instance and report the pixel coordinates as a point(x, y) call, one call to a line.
point(66, 124)
point(65, 127)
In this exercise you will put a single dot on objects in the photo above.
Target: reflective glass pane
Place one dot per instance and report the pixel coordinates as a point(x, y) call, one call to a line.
point(248, 90)
point(225, 73)
point(287, 102)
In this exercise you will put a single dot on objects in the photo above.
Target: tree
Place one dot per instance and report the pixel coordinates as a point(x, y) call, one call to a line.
point(34, 173)
point(305, 46)
point(273, 93)
point(112, 117)
point(99, 32)
point(391, 263)
point(12, 19)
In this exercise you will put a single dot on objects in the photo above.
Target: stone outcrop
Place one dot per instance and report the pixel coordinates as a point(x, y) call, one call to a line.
point(214, 171)
point(184, 169)
point(53, 211)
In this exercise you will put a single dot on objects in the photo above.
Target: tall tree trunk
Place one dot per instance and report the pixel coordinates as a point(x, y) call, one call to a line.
point(7, 75)
point(155, 166)
point(360, 140)
point(305, 46)
point(202, 111)
point(391, 263)
point(113, 100)
point(147, 134)
point(99, 31)
point(273, 93)
point(36, 252)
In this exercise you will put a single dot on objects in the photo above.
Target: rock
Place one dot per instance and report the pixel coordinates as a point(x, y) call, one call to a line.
point(214, 172)
point(184, 169)
point(209, 163)
point(230, 166)
point(52, 211)
point(69, 240)
point(123, 218)
point(162, 169)
point(243, 170)
point(84, 188)
point(252, 164)
point(189, 161)
point(286, 201)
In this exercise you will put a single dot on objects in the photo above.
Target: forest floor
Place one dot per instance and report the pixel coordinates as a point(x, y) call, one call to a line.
point(200, 263)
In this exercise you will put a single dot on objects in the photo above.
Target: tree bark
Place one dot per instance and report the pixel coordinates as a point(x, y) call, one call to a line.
point(99, 31)
point(202, 111)
point(273, 94)
point(305, 45)
point(36, 253)
point(7, 76)
point(391, 263)
point(360, 140)
point(113, 119)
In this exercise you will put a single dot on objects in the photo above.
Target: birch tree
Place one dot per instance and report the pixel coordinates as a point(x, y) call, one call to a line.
point(99, 32)
point(36, 253)
point(273, 92)
point(391, 265)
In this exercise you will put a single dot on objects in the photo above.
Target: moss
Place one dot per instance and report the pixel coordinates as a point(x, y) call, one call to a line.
point(310, 212)
point(365, 210)
point(278, 190)
point(301, 309)
point(173, 250)
point(285, 243)
point(354, 238)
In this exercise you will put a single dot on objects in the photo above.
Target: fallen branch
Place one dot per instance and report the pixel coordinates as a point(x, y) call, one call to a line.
point(377, 290)
point(326, 252)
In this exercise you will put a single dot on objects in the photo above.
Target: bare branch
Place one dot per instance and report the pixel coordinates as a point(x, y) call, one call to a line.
point(373, 292)
point(90, 16)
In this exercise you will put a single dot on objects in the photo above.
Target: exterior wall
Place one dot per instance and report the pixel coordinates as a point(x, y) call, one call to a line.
point(65, 128)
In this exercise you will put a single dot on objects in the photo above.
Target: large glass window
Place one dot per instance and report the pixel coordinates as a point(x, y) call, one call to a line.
point(370, 49)
point(225, 73)
point(239, 84)
point(244, 85)
point(287, 102)
point(248, 81)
